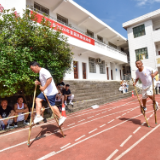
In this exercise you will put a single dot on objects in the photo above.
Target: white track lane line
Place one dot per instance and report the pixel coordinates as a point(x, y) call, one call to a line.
point(97, 114)
point(71, 124)
point(118, 117)
point(92, 131)
point(123, 114)
point(90, 117)
point(112, 154)
point(111, 121)
point(43, 158)
point(70, 128)
point(137, 130)
point(81, 120)
point(79, 138)
point(110, 110)
point(143, 123)
point(102, 125)
point(67, 118)
point(125, 141)
point(65, 145)
point(136, 143)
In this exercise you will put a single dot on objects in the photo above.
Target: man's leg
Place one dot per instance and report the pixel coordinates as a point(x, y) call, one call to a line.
point(65, 99)
point(156, 103)
point(38, 106)
point(56, 111)
point(26, 116)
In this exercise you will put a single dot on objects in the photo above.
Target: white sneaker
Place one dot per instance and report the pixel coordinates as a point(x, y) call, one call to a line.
point(61, 120)
point(65, 104)
point(8, 127)
point(156, 105)
point(26, 123)
point(71, 103)
point(38, 119)
point(15, 126)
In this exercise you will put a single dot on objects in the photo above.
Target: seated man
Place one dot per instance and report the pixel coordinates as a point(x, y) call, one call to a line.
point(21, 108)
point(67, 95)
point(5, 112)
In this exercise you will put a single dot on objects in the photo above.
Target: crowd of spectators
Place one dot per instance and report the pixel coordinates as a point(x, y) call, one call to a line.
point(123, 86)
point(21, 110)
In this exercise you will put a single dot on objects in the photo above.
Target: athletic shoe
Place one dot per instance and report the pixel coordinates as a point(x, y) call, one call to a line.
point(71, 103)
point(38, 119)
point(15, 125)
point(45, 120)
point(156, 105)
point(65, 104)
point(145, 109)
point(26, 123)
point(61, 120)
point(8, 126)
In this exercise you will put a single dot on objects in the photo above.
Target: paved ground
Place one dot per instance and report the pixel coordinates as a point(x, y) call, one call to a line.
point(113, 131)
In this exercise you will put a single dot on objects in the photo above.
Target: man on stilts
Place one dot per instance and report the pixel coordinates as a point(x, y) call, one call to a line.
point(47, 86)
point(145, 74)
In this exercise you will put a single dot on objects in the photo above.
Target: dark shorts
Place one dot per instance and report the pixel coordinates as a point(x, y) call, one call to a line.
point(51, 99)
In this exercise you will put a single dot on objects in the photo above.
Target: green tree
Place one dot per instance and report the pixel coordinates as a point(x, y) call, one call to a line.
point(23, 40)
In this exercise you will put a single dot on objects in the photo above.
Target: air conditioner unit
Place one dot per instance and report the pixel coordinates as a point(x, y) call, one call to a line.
point(99, 60)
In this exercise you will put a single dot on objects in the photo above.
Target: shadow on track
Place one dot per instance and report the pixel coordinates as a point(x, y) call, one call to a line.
point(50, 129)
point(135, 121)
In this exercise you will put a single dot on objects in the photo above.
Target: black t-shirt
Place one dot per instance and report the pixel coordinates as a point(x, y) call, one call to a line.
point(66, 92)
point(6, 112)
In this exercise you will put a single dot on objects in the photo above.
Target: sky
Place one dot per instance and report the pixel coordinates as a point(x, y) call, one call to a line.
point(116, 12)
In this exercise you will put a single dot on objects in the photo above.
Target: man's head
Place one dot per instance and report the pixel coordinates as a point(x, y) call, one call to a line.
point(4, 103)
point(20, 100)
point(35, 67)
point(67, 86)
point(139, 64)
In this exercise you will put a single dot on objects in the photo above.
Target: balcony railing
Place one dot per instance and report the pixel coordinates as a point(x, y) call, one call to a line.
point(97, 42)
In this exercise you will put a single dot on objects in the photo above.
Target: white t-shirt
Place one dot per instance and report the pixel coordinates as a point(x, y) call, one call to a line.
point(145, 76)
point(44, 74)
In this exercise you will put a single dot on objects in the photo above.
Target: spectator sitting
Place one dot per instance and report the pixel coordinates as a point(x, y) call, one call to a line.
point(21, 108)
point(121, 88)
point(61, 86)
point(5, 112)
point(67, 95)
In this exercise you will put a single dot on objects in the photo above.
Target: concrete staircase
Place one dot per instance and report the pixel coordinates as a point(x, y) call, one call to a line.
point(88, 93)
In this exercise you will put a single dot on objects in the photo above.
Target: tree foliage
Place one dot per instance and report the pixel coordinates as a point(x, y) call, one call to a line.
point(23, 40)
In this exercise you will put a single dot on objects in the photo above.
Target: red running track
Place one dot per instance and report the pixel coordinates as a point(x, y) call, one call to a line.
point(114, 131)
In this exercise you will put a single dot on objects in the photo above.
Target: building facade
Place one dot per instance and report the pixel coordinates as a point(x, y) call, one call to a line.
point(100, 53)
point(144, 40)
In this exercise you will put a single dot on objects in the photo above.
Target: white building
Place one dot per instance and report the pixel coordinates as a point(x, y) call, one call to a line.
point(144, 40)
point(99, 51)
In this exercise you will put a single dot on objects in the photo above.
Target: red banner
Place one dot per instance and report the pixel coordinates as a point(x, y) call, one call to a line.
point(66, 30)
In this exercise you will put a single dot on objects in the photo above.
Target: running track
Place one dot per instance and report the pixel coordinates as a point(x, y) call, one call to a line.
point(115, 131)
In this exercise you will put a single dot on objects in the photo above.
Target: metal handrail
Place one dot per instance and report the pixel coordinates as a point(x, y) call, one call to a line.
point(96, 40)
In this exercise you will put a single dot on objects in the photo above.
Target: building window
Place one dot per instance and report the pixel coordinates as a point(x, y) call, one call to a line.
point(141, 54)
point(139, 31)
point(92, 65)
point(62, 19)
point(112, 45)
point(90, 33)
point(158, 52)
point(100, 38)
point(40, 8)
point(102, 67)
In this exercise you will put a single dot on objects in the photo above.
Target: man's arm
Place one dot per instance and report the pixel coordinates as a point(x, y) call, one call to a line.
point(25, 108)
point(17, 110)
point(154, 74)
point(49, 80)
point(134, 84)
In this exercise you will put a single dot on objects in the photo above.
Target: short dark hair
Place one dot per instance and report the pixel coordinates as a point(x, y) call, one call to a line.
point(4, 100)
point(20, 97)
point(34, 63)
point(137, 61)
point(67, 85)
